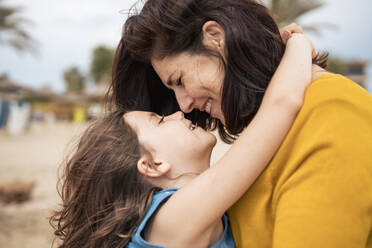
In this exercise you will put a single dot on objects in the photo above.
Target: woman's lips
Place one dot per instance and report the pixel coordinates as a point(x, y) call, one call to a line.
point(208, 106)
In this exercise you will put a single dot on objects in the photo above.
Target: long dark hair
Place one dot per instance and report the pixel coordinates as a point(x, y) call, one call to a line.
point(103, 195)
point(168, 27)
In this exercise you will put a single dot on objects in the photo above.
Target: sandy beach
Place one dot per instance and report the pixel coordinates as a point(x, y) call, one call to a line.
point(35, 157)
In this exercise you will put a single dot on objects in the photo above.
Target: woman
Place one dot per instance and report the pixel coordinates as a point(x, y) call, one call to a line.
point(249, 64)
point(216, 58)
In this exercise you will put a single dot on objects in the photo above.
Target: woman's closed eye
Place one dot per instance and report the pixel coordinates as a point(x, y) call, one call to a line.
point(179, 82)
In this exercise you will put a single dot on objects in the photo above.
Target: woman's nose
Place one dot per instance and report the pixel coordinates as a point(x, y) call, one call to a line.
point(185, 102)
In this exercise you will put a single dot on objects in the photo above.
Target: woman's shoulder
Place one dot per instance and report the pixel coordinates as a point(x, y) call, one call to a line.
point(332, 87)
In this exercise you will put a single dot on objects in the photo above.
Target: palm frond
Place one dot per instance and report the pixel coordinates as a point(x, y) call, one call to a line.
point(11, 26)
point(288, 11)
point(299, 11)
point(312, 29)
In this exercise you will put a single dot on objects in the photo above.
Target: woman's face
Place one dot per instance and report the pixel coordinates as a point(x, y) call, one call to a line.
point(196, 81)
point(172, 138)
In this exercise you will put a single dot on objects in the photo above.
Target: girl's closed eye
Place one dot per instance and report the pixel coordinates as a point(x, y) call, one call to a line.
point(161, 120)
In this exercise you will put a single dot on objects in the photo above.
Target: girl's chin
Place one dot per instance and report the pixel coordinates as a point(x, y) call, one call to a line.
point(214, 142)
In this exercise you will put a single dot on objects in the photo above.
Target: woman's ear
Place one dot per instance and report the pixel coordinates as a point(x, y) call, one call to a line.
point(214, 35)
point(150, 168)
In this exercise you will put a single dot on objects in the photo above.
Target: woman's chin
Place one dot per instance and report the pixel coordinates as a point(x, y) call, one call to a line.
point(223, 121)
point(218, 116)
point(221, 118)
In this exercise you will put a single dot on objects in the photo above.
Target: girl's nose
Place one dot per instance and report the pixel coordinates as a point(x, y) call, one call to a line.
point(176, 116)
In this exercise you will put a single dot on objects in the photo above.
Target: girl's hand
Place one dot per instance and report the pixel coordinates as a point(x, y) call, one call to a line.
point(287, 31)
point(293, 75)
point(293, 29)
point(301, 37)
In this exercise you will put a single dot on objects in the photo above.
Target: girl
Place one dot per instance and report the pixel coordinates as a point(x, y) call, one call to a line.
point(141, 180)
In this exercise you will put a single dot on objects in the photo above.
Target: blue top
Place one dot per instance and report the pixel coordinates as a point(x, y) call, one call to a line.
point(160, 197)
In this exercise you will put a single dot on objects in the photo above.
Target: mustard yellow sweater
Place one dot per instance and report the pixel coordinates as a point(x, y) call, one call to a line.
point(317, 190)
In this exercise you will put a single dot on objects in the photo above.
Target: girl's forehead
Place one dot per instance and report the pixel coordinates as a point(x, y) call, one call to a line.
point(134, 118)
point(139, 120)
point(133, 115)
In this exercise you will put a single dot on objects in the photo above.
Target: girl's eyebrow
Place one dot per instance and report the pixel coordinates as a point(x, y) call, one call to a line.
point(153, 118)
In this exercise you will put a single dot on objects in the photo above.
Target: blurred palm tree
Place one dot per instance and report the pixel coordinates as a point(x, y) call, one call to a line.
point(101, 64)
point(74, 79)
point(288, 11)
point(12, 32)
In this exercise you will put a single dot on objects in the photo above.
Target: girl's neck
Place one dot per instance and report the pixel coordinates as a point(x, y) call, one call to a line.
point(181, 179)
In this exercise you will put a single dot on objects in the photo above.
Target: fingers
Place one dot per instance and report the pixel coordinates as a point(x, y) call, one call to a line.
point(294, 28)
point(287, 31)
point(286, 36)
point(300, 37)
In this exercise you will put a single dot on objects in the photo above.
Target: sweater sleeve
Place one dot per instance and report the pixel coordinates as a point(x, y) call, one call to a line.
point(327, 200)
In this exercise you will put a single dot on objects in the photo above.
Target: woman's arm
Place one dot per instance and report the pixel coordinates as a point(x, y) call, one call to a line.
point(203, 201)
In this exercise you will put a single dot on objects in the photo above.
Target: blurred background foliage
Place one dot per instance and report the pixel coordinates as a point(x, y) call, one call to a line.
point(12, 29)
point(288, 11)
point(101, 64)
point(74, 79)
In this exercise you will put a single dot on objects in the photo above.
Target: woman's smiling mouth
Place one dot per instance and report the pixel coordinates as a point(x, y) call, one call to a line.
point(208, 106)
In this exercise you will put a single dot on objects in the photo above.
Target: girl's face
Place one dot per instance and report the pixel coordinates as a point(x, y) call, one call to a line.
point(196, 81)
point(172, 138)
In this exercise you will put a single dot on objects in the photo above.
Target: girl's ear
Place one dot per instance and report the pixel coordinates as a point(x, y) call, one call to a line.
point(150, 168)
point(214, 35)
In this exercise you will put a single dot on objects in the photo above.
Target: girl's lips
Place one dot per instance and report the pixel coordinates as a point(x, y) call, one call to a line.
point(192, 127)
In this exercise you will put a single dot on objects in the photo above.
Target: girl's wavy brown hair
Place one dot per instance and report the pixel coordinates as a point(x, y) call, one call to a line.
point(169, 27)
point(104, 197)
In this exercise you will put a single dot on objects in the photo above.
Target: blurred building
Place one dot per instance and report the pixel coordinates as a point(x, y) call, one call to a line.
point(356, 71)
point(11, 91)
point(15, 111)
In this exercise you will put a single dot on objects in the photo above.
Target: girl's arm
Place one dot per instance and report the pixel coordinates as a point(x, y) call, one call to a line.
point(198, 205)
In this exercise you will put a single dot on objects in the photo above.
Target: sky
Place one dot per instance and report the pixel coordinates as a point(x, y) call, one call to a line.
point(67, 31)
